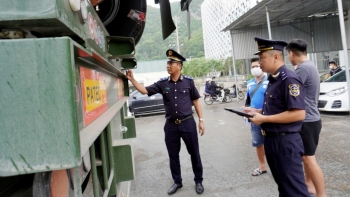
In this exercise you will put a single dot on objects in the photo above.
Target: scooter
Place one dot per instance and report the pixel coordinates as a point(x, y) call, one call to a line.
point(241, 95)
point(225, 97)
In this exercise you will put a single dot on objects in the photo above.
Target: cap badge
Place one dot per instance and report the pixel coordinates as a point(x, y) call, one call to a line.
point(170, 53)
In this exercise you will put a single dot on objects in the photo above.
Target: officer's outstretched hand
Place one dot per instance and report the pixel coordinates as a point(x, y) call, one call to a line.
point(201, 128)
point(129, 75)
point(258, 118)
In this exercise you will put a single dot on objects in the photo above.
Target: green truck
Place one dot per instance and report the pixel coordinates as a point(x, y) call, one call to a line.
point(64, 128)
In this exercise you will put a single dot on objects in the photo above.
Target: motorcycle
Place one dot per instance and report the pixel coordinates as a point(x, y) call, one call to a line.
point(241, 95)
point(225, 97)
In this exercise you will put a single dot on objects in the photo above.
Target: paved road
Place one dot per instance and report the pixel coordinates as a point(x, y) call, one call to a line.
point(228, 157)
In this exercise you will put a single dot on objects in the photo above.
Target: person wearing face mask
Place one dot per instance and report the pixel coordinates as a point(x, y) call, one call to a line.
point(334, 68)
point(255, 97)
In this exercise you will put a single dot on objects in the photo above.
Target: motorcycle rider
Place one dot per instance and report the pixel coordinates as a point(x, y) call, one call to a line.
point(208, 86)
point(214, 86)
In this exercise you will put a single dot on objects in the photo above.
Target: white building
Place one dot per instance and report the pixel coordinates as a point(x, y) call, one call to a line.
point(216, 15)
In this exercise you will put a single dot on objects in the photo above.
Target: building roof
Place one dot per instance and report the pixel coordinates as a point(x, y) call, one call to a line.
point(285, 11)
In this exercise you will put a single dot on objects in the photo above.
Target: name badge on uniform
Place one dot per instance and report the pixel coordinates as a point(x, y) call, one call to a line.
point(294, 90)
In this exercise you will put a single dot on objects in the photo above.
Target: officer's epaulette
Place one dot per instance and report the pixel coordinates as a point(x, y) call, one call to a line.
point(284, 75)
point(163, 79)
point(188, 77)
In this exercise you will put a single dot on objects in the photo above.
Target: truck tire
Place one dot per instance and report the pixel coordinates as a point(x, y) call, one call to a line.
point(117, 22)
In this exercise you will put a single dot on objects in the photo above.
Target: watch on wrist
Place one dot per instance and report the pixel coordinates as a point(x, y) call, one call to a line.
point(201, 119)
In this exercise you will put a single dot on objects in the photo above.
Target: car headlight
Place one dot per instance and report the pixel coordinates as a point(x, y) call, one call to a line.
point(337, 91)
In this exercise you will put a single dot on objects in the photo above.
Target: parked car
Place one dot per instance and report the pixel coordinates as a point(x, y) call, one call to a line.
point(142, 104)
point(323, 76)
point(333, 94)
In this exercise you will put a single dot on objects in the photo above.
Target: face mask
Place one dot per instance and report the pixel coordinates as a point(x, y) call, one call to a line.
point(256, 71)
point(330, 67)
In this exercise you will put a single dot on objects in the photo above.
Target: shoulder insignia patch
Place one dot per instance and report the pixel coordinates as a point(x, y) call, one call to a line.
point(188, 77)
point(294, 89)
point(163, 79)
point(284, 75)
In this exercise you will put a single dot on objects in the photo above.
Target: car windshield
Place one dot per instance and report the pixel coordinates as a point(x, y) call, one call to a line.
point(339, 77)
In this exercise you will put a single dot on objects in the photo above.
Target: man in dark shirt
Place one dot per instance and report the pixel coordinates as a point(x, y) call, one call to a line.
point(214, 87)
point(281, 120)
point(334, 68)
point(179, 94)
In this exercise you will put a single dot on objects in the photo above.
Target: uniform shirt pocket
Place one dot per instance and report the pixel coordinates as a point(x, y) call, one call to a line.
point(167, 95)
point(272, 97)
point(184, 93)
point(275, 104)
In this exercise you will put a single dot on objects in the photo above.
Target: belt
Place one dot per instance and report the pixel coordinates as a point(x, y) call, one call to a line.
point(274, 134)
point(177, 121)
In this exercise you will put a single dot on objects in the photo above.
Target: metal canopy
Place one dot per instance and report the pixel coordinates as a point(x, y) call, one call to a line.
point(316, 21)
point(290, 15)
point(285, 11)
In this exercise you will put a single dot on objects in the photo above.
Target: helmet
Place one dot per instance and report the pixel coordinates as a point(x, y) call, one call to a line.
point(208, 79)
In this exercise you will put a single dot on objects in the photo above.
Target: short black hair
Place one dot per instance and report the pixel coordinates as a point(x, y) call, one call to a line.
point(255, 59)
point(297, 46)
point(332, 62)
point(213, 78)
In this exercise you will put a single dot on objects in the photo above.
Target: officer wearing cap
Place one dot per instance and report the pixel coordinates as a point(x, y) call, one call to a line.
point(281, 119)
point(179, 94)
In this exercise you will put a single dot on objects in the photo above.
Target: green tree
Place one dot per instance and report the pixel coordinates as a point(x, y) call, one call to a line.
point(200, 67)
point(194, 48)
point(239, 66)
point(238, 63)
point(228, 65)
point(189, 48)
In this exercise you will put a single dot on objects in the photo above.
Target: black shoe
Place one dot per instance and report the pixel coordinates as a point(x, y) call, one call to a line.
point(199, 188)
point(173, 188)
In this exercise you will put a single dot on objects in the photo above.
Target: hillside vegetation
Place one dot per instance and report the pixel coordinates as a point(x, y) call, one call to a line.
point(152, 46)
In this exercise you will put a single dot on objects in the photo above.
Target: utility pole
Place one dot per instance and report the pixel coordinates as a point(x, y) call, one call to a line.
point(234, 66)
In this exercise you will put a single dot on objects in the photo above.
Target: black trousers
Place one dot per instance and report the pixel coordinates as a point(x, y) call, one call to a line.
point(284, 156)
point(188, 132)
point(218, 92)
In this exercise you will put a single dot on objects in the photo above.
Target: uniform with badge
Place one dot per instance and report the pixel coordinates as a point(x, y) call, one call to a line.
point(283, 144)
point(178, 97)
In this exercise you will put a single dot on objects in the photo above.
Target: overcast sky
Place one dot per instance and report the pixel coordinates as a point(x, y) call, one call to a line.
point(151, 3)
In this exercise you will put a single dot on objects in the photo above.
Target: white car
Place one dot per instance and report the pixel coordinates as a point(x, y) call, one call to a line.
point(334, 94)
